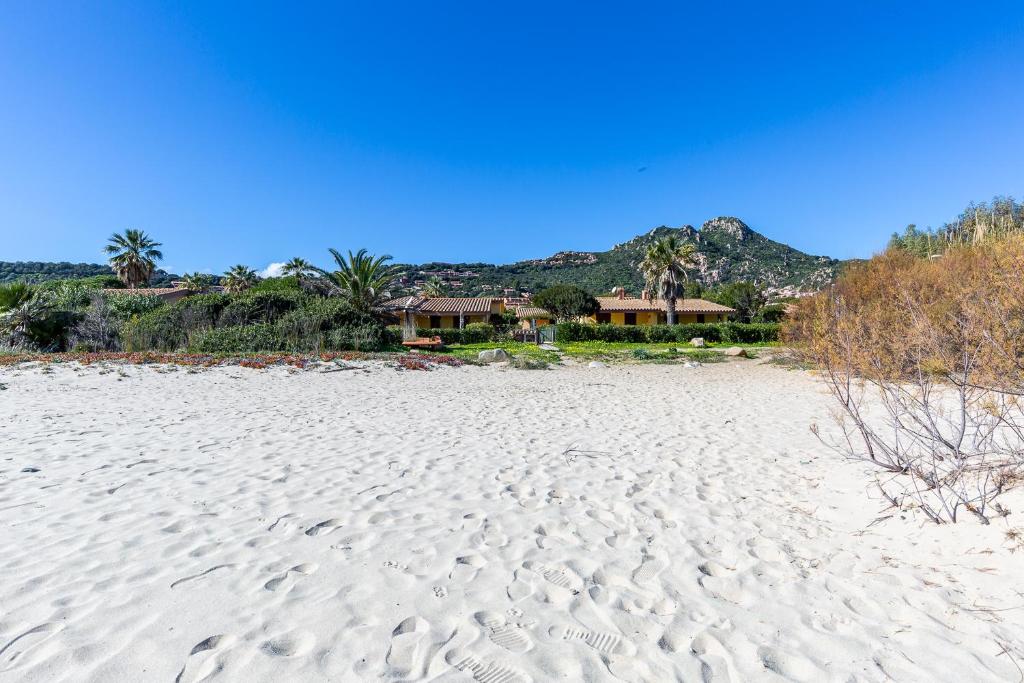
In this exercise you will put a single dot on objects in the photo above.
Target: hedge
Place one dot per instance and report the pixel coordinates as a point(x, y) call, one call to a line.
point(743, 333)
point(473, 333)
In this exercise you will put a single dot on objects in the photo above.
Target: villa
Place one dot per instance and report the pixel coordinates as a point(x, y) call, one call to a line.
point(624, 310)
point(445, 312)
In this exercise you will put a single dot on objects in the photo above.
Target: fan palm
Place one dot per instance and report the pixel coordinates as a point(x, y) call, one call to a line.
point(664, 270)
point(133, 256)
point(361, 278)
point(433, 286)
point(196, 282)
point(16, 322)
point(239, 278)
point(299, 267)
point(13, 295)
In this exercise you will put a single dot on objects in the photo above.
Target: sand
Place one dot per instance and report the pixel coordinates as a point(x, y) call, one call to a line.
point(633, 523)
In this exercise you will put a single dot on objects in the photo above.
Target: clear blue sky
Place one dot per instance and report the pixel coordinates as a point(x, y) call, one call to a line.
point(496, 131)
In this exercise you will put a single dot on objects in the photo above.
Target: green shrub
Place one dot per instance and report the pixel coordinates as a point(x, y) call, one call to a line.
point(259, 307)
point(743, 333)
point(127, 306)
point(277, 284)
point(473, 333)
point(260, 337)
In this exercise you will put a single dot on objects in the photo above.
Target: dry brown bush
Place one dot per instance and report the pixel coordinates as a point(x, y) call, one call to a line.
point(926, 359)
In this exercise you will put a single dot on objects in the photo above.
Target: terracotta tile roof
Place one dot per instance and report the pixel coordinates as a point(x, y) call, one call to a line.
point(474, 305)
point(527, 312)
point(613, 303)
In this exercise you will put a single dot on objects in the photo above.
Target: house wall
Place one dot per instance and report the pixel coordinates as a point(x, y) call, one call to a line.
point(448, 320)
point(525, 323)
point(659, 318)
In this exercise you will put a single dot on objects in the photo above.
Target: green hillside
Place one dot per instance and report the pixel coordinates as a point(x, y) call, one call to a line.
point(727, 251)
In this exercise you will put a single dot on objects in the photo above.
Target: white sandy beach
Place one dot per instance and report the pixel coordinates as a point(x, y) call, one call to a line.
point(374, 524)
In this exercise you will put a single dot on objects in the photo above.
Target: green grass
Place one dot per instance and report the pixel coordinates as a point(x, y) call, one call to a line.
point(597, 350)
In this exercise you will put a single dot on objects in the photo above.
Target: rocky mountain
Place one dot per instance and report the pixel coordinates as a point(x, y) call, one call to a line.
point(727, 251)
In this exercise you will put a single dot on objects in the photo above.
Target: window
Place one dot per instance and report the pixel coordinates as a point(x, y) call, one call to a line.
point(700, 317)
point(630, 318)
point(435, 322)
point(604, 317)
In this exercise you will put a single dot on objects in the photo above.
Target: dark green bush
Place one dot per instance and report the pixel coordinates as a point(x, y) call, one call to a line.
point(277, 284)
point(744, 333)
point(259, 307)
point(126, 306)
point(259, 337)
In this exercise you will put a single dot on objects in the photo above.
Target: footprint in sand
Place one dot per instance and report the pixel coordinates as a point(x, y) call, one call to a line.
point(605, 643)
point(292, 644)
point(466, 568)
point(649, 568)
point(484, 671)
point(282, 523)
point(556, 576)
point(324, 527)
point(202, 574)
point(13, 653)
point(409, 645)
point(278, 582)
point(504, 633)
point(713, 656)
point(199, 668)
point(793, 667)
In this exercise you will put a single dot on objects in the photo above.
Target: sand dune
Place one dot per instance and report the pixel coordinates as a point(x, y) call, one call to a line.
point(630, 523)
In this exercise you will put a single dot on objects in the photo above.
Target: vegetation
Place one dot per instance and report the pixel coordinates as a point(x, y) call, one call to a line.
point(361, 279)
point(133, 256)
point(746, 297)
point(664, 271)
point(566, 302)
point(434, 286)
point(936, 345)
point(727, 251)
point(196, 283)
point(754, 333)
point(239, 278)
point(1001, 217)
point(298, 268)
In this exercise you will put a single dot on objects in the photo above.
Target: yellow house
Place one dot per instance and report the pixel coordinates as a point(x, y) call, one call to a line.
point(531, 317)
point(445, 312)
point(623, 310)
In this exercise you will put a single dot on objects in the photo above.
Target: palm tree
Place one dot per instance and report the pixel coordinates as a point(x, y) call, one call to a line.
point(434, 286)
point(196, 282)
point(664, 271)
point(299, 267)
point(16, 322)
point(362, 279)
point(239, 278)
point(133, 256)
point(13, 295)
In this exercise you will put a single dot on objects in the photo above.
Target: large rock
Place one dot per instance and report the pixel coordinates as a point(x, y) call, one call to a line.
point(697, 341)
point(735, 352)
point(492, 356)
point(596, 364)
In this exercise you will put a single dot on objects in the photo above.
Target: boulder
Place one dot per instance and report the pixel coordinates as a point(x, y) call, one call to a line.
point(697, 341)
point(492, 356)
point(596, 364)
point(735, 352)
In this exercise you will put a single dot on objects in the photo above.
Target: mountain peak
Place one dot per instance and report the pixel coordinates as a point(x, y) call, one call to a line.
point(727, 226)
